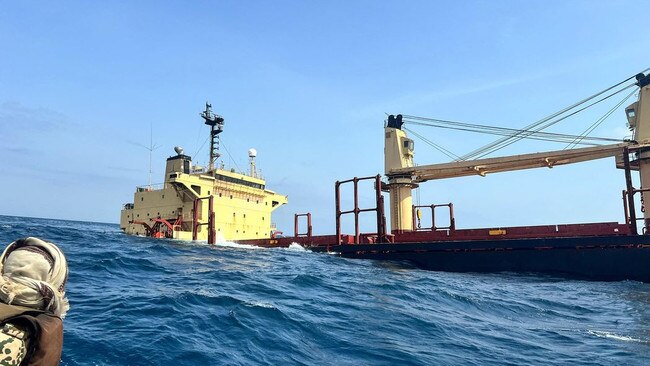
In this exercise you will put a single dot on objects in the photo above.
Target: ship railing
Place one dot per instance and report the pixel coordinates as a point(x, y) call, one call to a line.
point(295, 225)
point(379, 209)
point(628, 196)
point(630, 216)
point(150, 187)
point(417, 226)
point(127, 206)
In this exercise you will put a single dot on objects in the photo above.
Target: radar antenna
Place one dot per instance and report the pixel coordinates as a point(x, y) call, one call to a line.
point(215, 122)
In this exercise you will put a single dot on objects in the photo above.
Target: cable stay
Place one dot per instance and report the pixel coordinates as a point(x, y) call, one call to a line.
point(433, 144)
point(502, 131)
point(598, 122)
point(507, 141)
point(533, 131)
point(551, 119)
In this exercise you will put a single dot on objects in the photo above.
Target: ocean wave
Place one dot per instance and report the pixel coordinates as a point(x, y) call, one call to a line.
point(618, 337)
point(144, 301)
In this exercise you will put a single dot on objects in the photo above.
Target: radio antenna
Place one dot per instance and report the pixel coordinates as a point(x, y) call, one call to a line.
point(216, 127)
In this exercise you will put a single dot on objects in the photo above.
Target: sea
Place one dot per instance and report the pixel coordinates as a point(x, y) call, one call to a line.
point(143, 301)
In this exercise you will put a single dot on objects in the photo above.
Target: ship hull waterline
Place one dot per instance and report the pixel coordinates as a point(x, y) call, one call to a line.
point(604, 258)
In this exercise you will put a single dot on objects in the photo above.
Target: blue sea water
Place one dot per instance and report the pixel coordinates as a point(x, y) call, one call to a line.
point(141, 301)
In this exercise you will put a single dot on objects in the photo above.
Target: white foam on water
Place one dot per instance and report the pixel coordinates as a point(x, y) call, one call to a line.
point(297, 247)
point(604, 334)
point(260, 304)
point(230, 244)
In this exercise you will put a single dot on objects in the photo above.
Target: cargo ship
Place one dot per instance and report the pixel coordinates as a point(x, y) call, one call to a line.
point(596, 251)
point(184, 206)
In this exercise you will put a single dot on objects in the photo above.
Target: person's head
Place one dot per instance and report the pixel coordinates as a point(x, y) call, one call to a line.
point(33, 274)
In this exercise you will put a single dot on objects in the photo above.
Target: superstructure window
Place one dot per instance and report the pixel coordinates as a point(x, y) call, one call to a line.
point(228, 179)
point(196, 188)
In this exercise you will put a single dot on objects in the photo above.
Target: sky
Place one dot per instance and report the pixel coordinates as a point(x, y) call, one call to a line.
point(308, 84)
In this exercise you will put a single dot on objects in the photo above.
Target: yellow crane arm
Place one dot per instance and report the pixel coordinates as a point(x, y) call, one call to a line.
point(482, 167)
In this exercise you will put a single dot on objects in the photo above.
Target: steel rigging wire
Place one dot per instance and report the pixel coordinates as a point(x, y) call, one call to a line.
point(598, 122)
point(548, 121)
point(532, 131)
point(501, 131)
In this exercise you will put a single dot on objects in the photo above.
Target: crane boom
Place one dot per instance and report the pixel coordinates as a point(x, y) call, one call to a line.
point(482, 167)
point(403, 175)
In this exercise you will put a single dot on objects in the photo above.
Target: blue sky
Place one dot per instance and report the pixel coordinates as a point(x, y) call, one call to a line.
point(306, 83)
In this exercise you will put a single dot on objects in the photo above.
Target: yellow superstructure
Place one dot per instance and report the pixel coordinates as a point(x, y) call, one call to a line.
point(180, 208)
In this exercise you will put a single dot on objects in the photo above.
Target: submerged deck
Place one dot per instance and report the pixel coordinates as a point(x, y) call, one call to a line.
point(450, 235)
point(597, 251)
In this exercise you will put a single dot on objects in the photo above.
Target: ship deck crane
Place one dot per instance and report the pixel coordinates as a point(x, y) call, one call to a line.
point(403, 175)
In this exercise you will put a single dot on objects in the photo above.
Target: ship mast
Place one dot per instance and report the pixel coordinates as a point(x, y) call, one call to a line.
point(216, 127)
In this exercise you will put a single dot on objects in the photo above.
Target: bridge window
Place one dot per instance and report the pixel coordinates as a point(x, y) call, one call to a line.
point(196, 188)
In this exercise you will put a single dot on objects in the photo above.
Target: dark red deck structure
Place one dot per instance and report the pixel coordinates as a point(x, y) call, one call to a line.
point(597, 251)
